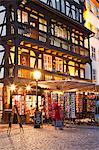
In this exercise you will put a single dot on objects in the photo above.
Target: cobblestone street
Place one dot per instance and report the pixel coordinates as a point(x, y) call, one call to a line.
point(47, 138)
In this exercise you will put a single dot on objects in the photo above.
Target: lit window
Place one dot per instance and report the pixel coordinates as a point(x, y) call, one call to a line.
point(59, 64)
point(42, 25)
point(47, 62)
point(24, 17)
point(19, 15)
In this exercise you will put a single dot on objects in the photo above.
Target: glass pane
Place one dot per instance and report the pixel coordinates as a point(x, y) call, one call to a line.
point(71, 71)
point(2, 8)
point(12, 57)
point(19, 15)
point(4, 31)
point(32, 62)
point(1, 57)
point(24, 17)
point(2, 16)
point(2, 73)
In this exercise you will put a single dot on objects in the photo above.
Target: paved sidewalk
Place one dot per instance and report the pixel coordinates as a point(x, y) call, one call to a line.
point(47, 138)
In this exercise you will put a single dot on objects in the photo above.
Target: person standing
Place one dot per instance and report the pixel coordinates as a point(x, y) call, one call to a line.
point(58, 117)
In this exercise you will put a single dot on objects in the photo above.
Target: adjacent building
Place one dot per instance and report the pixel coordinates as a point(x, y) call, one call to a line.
point(91, 16)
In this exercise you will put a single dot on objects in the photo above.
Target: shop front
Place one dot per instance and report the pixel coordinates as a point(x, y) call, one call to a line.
point(70, 95)
point(24, 100)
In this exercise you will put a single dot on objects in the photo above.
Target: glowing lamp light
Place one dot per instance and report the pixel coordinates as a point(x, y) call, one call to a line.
point(28, 88)
point(12, 87)
point(37, 74)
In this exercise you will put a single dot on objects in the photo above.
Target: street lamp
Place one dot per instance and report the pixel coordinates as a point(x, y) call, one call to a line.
point(37, 76)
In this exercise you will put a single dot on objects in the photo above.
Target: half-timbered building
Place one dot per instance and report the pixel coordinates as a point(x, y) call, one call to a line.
point(48, 35)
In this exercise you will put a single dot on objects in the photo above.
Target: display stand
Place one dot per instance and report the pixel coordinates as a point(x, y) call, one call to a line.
point(37, 119)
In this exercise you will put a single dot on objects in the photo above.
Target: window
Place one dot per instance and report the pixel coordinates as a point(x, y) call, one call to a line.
point(94, 74)
point(58, 4)
point(24, 17)
point(47, 62)
point(81, 73)
point(59, 64)
point(93, 53)
point(19, 15)
point(42, 25)
point(59, 30)
point(63, 6)
point(88, 5)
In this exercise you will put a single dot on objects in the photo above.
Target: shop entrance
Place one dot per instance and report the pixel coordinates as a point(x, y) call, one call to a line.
point(18, 100)
point(26, 105)
point(31, 106)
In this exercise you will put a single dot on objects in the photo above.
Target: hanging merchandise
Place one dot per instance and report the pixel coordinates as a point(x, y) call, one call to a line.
point(91, 100)
point(70, 104)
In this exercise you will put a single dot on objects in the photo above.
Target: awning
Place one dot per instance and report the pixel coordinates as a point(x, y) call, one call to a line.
point(68, 85)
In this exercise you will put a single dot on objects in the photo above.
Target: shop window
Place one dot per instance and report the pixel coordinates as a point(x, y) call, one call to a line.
point(31, 103)
point(18, 100)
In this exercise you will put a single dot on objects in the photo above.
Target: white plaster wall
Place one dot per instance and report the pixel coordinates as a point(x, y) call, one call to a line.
point(95, 43)
point(93, 20)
